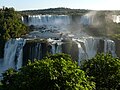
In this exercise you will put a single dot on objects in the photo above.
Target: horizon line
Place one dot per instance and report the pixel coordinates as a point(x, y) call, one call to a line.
point(62, 7)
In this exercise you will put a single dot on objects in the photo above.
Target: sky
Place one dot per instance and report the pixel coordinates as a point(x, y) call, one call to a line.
point(74, 4)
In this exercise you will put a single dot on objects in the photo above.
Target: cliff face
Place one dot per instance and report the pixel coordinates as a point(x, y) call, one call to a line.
point(70, 48)
point(35, 50)
point(101, 46)
point(79, 49)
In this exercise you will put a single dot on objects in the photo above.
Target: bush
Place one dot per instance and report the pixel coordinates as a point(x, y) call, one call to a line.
point(55, 72)
point(106, 71)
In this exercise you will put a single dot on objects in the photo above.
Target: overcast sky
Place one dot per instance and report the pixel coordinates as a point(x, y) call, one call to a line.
point(77, 4)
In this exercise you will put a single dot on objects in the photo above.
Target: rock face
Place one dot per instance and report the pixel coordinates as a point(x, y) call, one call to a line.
point(71, 48)
point(35, 50)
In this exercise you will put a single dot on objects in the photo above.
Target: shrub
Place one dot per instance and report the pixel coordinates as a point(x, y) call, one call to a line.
point(106, 71)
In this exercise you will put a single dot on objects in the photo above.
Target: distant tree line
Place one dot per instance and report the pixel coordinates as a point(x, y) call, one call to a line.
point(56, 11)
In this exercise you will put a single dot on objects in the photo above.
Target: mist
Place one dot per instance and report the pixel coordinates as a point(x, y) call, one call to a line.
point(99, 23)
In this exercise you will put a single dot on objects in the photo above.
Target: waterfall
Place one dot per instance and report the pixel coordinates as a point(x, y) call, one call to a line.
point(81, 53)
point(109, 47)
point(48, 20)
point(56, 46)
point(18, 51)
point(57, 19)
point(91, 45)
point(59, 48)
point(88, 47)
point(13, 53)
point(53, 49)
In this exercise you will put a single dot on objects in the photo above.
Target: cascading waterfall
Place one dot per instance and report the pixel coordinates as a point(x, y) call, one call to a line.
point(59, 48)
point(91, 45)
point(58, 20)
point(18, 50)
point(19, 53)
point(81, 52)
point(87, 48)
point(13, 53)
point(48, 20)
point(53, 48)
point(109, 47)
point(56, 46)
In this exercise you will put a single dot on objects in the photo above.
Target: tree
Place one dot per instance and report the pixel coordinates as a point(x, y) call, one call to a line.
point(11, 26)
point(106, 71)
point(55, 72)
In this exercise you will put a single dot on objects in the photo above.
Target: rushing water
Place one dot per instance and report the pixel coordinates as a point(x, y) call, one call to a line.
point(13, 53)
point(47, 20)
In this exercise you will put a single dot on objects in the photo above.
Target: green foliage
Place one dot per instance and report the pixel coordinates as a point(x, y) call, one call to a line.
point(11, 26)
point(115, 36)
point(55, 72)
point(106, 71)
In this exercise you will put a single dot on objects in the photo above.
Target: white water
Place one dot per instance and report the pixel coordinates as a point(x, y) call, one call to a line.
point(81, 54)
point(56, 46)
point(91, 45)
point(59, 20)
point(48, 20)
point(109, 47)
point(88, 47)
point(13, 53)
